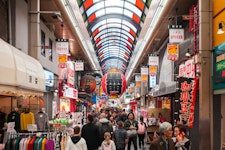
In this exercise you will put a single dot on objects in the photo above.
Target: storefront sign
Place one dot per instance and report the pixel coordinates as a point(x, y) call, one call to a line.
point(187, 69)
point(70, 93)
point(219, 67)
point(173, 51)
point(187, 97)
point(49, 78)
point(62, 46)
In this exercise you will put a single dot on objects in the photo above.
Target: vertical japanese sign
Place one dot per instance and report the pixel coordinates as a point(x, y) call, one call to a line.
point(153, 62)
point(144, 74)
point(176, 34)
point(187, 69)
point(187, 97)
point(138, 81)
point(152, 76)
point(62, 46)
point(173, 51)
point(70, 74)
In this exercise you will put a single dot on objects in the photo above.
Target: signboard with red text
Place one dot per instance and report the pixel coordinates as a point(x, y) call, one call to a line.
point(186, 96)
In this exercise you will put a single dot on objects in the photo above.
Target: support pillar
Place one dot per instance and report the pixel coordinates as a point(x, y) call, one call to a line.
point(34, 29)
point(205, 81)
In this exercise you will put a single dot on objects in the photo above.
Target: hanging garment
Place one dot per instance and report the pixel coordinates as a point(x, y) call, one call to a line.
point(25, 119)
point(14, 117)
point(41, 119)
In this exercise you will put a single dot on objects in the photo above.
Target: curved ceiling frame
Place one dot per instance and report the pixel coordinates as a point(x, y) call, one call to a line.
point(114, 39)
point(121, 51)
point(116, 43)
point(122, 46)
point(113, 30)
point(113, 24)
point(111, 57)
point(117, 10)
point(108, 51)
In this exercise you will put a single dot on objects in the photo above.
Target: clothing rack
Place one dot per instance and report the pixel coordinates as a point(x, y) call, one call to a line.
point(48, 135)
point(29, 141)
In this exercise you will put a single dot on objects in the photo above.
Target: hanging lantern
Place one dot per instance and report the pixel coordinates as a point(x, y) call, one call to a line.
point(87, 84)
point(114, 83)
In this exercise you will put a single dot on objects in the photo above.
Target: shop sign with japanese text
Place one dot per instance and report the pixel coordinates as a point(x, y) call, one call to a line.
point(187, 97)
point(173, 51)
point(62, 46)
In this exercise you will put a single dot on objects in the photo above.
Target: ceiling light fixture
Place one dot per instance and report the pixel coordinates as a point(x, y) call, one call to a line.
point(220, 28)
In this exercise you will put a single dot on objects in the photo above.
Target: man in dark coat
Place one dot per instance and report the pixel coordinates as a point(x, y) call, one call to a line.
point(90, 132)
point(164, 142)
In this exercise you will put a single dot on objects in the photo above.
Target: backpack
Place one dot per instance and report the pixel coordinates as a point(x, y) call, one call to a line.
point(141, 128)
point(105, 127)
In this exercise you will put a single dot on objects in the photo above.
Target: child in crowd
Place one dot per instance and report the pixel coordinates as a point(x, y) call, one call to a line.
point(108, 144)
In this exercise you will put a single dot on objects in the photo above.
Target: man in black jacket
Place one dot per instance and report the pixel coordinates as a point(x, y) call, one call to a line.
point(90, 132)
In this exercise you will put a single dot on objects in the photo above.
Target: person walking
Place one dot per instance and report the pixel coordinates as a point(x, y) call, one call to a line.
point(131, 124)
point(90, 132)
point(180, 139)
point(164, 142)
point(104, 126)
point(120, 136)
point(76, 141)
point(141, 132)
point(108, 144)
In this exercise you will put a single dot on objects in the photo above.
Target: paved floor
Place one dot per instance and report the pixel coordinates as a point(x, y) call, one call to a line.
point(146, 147)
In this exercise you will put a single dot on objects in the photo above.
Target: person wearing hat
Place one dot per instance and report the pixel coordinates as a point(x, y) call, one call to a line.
point(164, 142)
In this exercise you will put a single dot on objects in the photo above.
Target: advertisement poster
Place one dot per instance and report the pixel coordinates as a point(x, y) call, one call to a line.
point(173, 51)
point(64, 105)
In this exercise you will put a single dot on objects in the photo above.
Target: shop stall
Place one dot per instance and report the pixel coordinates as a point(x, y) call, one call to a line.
point(22, 84)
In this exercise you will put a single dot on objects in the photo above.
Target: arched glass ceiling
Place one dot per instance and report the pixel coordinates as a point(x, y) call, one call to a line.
point(114, 26)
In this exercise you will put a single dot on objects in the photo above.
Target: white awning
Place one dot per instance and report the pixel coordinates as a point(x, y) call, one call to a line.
point(20, 73)
point(164, 88)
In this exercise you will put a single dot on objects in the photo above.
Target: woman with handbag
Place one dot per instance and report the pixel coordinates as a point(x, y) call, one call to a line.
point(131, 125)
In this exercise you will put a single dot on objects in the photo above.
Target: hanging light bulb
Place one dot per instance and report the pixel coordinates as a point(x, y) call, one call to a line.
point(187, 54)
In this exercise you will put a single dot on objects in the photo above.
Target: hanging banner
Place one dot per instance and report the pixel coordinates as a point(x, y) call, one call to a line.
point(152, 82)
point(153, 60)
point(79, 66)
point(186, 95)
point(152, 70)
point(62, 46)
point(173, 51)
point(176, 34)
point(138, 81)
point(144, 74)
point(70, 74)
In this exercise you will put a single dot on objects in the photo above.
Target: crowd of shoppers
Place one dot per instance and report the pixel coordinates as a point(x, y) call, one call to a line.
point(109, 131)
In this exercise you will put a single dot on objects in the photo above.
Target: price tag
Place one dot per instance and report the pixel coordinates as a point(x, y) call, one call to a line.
point(32, 127)
point(57, 125)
